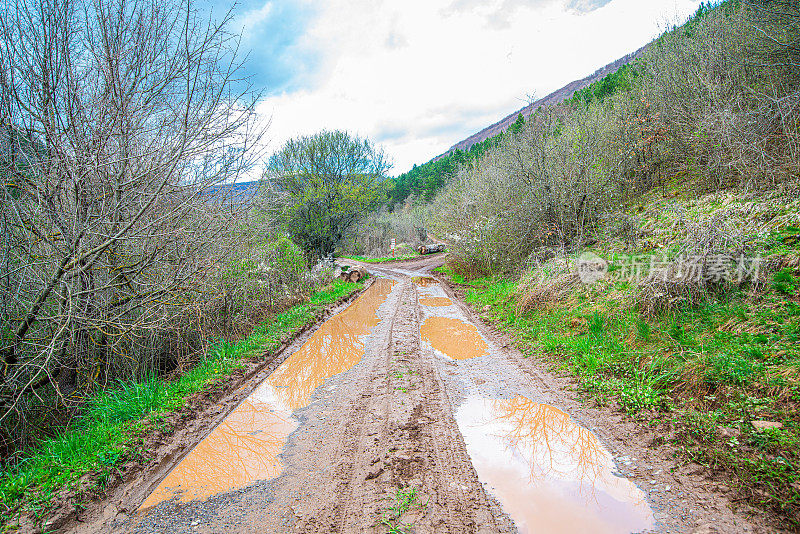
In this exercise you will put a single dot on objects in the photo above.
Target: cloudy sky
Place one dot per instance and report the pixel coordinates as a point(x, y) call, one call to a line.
point(416, 76)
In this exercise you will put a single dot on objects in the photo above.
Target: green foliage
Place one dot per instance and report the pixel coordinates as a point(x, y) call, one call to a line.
point(367, 259)
point(404, 499)
point(322, 184)
point(643, 330)
point(786, 282)
point(129, 400)
point(425, 180)
point(621, 80)
point(517, 126)
point(286, 257)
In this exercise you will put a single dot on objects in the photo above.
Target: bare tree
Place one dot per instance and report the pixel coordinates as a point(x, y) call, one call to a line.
point(117, 117)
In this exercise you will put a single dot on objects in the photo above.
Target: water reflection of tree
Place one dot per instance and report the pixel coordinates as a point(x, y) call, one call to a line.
point(334, 348)
point(554, 446)
point(243, 448)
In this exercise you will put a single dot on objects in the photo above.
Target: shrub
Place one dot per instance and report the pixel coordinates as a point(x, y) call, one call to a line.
point(550, 284)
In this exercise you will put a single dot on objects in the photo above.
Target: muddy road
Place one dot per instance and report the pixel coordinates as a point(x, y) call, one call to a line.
point(405, 411)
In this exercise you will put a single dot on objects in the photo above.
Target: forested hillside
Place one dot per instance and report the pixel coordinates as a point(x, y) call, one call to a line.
point(423, 181)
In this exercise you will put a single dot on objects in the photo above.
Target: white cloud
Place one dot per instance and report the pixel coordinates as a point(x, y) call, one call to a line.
point(423, 74)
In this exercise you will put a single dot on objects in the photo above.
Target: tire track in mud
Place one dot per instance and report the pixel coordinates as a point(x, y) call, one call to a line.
point(453, 472)
point(350, 499)
point(341, 430)
point(424, 448)
point(400, 433)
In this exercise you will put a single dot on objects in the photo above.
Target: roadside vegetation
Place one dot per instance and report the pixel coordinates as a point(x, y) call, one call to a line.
point(718, 378)
point(399, 257)
point(109, 431)
point(131, 275)
point(647, 233)
point(317, 187)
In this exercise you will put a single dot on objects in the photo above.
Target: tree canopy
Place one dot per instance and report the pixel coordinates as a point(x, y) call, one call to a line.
point(321, 184)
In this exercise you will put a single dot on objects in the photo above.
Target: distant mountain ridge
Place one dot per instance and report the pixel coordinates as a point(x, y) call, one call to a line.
point(239, 192)
point(556, 97)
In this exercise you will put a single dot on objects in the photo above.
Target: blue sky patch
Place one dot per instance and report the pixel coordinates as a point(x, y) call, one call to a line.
point(279, 57)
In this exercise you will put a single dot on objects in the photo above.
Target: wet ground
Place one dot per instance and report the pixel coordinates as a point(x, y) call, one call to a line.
point(533, 458)
point(244, 448)
point(406, 389)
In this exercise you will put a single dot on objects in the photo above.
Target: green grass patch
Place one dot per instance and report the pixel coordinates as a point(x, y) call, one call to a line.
point(460, 279)
point(719, 365)
point(366, 259)
point(404, 499)
point(110, 427)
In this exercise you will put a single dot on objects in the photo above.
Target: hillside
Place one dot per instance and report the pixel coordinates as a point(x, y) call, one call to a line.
point(556, 97)
point(425, 180)
point(240, 192)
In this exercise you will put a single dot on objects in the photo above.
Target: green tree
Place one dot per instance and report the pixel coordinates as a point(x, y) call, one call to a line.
point(321, 184)
point(518, 124)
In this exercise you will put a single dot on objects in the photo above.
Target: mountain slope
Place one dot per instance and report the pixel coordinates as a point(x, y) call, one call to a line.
point(556, 97)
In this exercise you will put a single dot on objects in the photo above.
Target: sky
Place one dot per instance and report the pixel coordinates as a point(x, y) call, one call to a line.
point(417, 76)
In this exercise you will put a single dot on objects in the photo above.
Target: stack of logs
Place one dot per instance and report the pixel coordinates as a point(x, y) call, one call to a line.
point(353, 275)
point(430, 249)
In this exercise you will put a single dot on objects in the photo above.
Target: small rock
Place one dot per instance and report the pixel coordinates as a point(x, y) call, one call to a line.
point(374, 474)
point(487, 308)
point(195, 523)
point(728, 432)
point(761, 425)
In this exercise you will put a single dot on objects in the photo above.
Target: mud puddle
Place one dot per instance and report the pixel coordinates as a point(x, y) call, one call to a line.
point(454, 338)
point(443, 327)
point(436, 302)
point(245, 447)
point(549, 474)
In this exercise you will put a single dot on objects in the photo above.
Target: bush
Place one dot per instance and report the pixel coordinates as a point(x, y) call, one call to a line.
point(262, 278)
point(553, 283)
point(711, 104)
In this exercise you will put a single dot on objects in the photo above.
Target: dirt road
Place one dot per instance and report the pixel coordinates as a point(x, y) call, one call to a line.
point(405, 411)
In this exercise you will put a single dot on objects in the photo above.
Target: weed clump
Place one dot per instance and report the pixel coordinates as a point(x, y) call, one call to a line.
point(551, 284)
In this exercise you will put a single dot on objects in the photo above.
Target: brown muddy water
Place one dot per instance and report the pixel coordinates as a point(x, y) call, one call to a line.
point(245, 446)
point(454, 338)
point(435, 301)
point(549, 474)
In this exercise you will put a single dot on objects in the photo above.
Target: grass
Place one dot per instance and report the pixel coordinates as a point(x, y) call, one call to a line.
point(112, 425)
point(365, 259)
point(404, 499)
point(720, 365)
